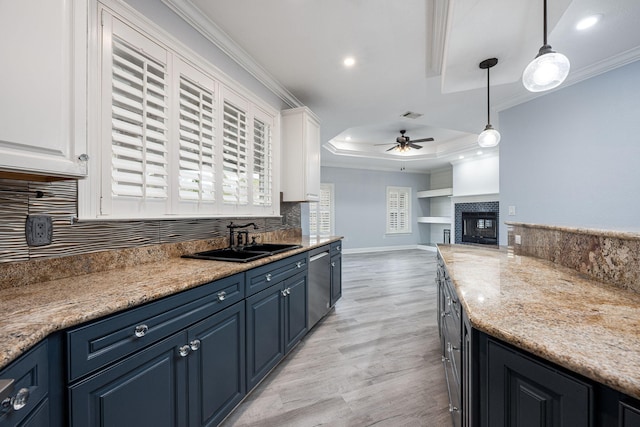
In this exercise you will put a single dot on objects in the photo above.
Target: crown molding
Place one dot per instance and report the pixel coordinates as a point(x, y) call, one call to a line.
point(212, 32)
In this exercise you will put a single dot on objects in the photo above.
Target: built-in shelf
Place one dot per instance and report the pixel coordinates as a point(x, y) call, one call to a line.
point(434, 219)
point(435, 193)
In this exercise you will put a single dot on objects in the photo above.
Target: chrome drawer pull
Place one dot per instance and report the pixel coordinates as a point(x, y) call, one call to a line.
point(288, 290)
point(333, 264)
point(284, 292)
point(339, 248)
point(222, 295)
point(195, 345)
point(141, 330)
point(298, 264)
point(184, 350)
point(16, 402)
point(268, 277)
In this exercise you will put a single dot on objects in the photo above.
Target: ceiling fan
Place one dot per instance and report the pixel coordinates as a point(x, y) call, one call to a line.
point(404, 143)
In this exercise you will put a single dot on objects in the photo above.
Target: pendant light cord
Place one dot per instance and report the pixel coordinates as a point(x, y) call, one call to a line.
point(545, 22)
point(488, 100)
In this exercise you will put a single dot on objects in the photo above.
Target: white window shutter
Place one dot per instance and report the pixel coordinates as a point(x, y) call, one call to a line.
point(262, 163)
point(398, 210)
point(235, 160)
point(196, 135)
point(138, 124)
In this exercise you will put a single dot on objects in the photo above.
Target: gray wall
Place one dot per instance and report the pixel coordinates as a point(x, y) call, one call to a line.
point(360, 206)
point(572, 157)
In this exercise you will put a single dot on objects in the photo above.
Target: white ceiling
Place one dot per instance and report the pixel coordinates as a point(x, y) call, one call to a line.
point(411, 55)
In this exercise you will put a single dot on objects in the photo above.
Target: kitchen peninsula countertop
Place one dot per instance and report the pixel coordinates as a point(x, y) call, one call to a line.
point(588, 327)
point(31, 312)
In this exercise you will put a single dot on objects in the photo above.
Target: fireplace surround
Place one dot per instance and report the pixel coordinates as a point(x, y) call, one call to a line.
point(477, 223)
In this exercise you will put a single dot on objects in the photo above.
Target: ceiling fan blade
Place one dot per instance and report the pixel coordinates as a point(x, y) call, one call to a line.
point(422, 140)
point(416, 146)
point(392, 148)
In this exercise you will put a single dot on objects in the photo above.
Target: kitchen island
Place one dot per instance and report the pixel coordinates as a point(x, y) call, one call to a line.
point(549, 311)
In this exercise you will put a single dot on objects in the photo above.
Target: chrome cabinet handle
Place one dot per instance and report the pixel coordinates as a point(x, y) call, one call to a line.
point(141, 330)
point(194, 345)
point(298, 264)
point(288, 290)
point(16, 402)
point(222, 295)
point(184, 350)
point(453, 408)
point(284, 292)
point(268, 277)
point(333, 264)
point(339, 248)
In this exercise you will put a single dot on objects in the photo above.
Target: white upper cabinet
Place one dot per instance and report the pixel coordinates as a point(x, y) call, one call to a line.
point(300, 155)
point(43, 75)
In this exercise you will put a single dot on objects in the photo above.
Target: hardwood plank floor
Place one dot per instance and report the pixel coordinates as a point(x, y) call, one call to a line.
point(373, 361)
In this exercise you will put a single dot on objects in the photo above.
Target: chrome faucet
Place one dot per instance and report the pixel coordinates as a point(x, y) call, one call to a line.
point(232, 227)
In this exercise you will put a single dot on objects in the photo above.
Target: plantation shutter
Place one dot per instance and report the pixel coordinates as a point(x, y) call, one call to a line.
point(234, 161)
point(262, 163)
point(196, 141)
point(398, 210)
point(324, 211)
point(138, 123)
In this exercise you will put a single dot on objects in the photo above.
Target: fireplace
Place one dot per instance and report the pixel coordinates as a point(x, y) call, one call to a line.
point(476, 222)
point(480, 227)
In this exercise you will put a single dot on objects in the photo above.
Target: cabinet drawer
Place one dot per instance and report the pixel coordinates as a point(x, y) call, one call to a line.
point(102, 342)
point(262, 277)
point(31, 371)
point(336, 248)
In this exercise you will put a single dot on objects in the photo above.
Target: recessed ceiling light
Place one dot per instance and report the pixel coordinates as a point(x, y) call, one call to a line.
point(349, 61)
point(588, 22)
point(461, 157)
point(348, 138)
point(478, 152)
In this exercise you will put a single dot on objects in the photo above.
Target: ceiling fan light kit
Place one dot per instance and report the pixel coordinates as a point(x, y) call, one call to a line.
point(404, 143)
point(490, 137)
point(548, 69)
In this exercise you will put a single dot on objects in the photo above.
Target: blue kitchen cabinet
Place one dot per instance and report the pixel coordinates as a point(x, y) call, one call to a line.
point(217, 366)
point(336, 272)
point(276, 322)
point(146, 389)
point(26, 401)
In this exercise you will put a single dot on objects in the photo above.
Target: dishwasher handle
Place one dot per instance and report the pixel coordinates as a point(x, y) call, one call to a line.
point(318, 256)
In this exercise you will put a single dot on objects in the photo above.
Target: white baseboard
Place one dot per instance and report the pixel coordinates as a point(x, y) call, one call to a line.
point(388, 248)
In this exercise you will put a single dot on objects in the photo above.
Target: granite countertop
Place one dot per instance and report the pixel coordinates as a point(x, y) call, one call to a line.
point(31, 312)
point(586, 326)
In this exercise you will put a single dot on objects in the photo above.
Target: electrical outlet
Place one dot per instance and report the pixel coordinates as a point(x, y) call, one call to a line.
point(512, 210)
point(39, 230)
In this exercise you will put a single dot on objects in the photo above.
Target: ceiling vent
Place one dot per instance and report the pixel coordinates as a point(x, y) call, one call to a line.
point(411, 115)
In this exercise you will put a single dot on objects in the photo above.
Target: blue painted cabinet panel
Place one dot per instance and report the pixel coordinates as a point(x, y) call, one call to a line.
point(265, 332)
point(146, 389)
point(217, 367)
point(295, 307)
point(336, 278)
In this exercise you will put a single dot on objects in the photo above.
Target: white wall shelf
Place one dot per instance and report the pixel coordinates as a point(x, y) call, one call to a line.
point(435, 193)
point(434, 219)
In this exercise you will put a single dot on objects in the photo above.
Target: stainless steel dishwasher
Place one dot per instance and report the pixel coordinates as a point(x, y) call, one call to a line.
point(319, 292)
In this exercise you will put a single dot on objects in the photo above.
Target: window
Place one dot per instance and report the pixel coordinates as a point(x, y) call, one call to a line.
point(174, 140)
point(321, 216)
point(398, 210)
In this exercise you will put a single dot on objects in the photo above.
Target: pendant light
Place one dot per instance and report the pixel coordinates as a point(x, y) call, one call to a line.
point(489, 137)
point(548, 69)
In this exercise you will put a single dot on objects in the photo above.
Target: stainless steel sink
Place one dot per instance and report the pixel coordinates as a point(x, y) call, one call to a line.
point(246, 254)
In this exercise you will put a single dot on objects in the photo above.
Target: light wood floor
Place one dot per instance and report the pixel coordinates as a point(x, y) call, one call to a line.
point(374, 360)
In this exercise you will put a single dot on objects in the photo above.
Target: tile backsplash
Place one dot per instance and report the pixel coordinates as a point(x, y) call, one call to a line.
point(59, 200)
point(608, 256)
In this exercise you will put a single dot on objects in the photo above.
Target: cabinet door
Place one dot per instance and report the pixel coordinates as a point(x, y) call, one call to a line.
point(296, 309)
point(336, 278)
point(300, 156)
point(265, 332)
point(216, 366)
point(146, 389)
point(43, 98)
point(523, 392)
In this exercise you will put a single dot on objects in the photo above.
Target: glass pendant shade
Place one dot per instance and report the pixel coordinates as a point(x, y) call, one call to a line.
point(547, 71)
point(490, 137)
